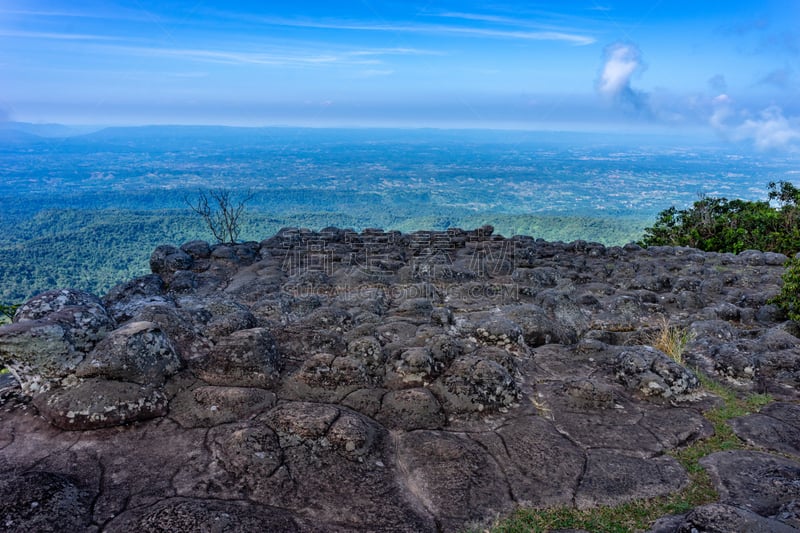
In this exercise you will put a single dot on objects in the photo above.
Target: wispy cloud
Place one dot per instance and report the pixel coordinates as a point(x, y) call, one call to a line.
point(440, 29)
point(56, 36)
point(282, 58)
point(480, 17)
point(45, 13)
point(236, 58)
point(104, 12)
point(396, 52)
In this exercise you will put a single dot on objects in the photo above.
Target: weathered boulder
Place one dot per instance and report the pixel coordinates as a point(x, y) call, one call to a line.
point(588, 394)
point(652, 373)
point(50, 336)
point(612, 477)
point(776, 427)
point(246, 358)
point(125, 300)
point(476, 384)
point(197, 249)
point(39, 354)
point(454, 478)
point(499, 331)
point(99, 403)
point(138, 352)
point(167, 259)
point(186, 337)
point(326, 377)
point(411, 409)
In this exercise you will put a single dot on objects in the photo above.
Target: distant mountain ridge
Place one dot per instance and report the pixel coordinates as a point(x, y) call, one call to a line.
point(47, 130)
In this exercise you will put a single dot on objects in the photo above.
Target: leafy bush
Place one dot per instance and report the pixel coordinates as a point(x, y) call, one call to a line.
point(789, 297)
point(7, 312)
point(722, 225)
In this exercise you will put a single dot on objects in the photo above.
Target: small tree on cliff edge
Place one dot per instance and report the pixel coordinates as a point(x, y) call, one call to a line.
point(221, 212)
point(7, 312)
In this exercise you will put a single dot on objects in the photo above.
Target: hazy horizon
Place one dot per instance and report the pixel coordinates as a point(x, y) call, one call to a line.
point(726, 69)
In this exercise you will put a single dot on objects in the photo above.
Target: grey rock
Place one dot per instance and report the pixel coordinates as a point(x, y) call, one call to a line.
point(326, 377)
point(453, 476)
point(772, 428)
point(43, 501)
point(39, 353)
point(539, 327)
point(208, 406)
point(542, 466)
point(474, 384)
point(98, 403)
point(246, 358)
point(197, 249)
point(612, 477)
point(411, 409)
point(588, 394)
point(756, 481)
point(166, 259)
point(186, 338)
point(653, 374)
point(125, 300)
point(138, 352)
point(50, 335)
point(184, 515)
point(720, 518)
point(427, 382)
point(789, 514)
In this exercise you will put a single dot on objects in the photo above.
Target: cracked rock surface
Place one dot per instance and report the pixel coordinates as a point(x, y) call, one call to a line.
point(435, 381)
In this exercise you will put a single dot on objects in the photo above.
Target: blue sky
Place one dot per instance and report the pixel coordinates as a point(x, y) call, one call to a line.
point(729, 67)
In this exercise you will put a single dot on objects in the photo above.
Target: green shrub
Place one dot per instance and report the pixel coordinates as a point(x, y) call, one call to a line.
point(789, 297)
point(7, 312)
point(722, 225)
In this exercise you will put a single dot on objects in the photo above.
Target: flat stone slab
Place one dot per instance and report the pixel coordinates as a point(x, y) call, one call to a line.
point(776, 427)
point(756, 481)
point(722, 518)
point(613, 477)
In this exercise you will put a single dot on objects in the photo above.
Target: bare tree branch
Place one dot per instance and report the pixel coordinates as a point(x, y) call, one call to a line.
point(221, 212)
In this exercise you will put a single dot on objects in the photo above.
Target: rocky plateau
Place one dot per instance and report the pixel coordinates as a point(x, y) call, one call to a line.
point(379, 381)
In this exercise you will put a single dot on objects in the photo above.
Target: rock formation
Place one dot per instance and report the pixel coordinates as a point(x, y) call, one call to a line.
point(341, 381)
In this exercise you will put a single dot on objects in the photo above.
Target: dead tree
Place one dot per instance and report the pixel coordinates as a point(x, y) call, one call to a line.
point(221, 213)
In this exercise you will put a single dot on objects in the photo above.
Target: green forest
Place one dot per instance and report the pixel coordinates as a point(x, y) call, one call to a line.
point(94, 249)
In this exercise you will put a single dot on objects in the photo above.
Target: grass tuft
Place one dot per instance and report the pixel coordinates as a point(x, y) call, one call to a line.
point(671, 339)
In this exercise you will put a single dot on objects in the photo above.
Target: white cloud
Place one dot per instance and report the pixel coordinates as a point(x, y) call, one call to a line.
point(770, 130)
point(767, 130)
point(622, 61)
